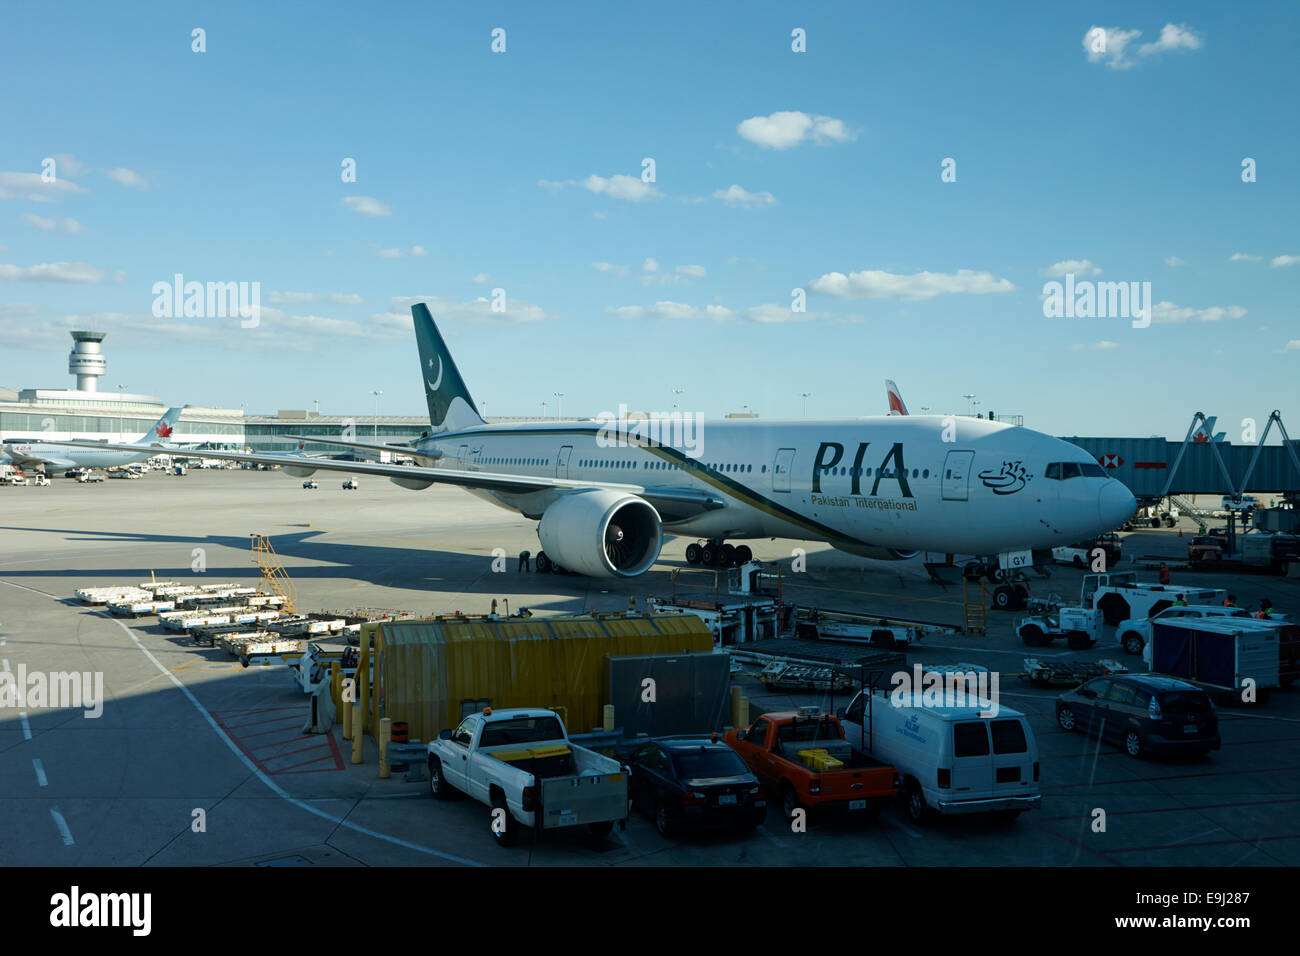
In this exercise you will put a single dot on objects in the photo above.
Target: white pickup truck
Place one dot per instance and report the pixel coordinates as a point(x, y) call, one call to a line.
point(521, 764)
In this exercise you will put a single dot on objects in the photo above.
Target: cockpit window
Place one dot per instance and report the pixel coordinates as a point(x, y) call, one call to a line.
point(1061, 470)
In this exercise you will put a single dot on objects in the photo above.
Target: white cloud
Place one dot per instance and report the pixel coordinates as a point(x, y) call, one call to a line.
point(787, 128)
point(695, 272)
point(53, 223)
point(650, 265)
point(417, 250)
point(1292, 346)
point(1102, 346)
point(621, 187)
point(1243, 257)
point(127, 177)
point(1116, 45)
point(30, 187)
point(1284, 261)
point(66, 164)
point(294, 298)
point(1174, 261)
point(1114, 42)
point(367, 206)
point(1169, 312)
point(631, 188)
point(768, 314)
point(610, 267)
point(481, 279)
point(1172, 37)
point(774, 312)
point(52, 272)
point(400, 253)
point(1080, 267)
point(735, 195)
point(874, 284)
point(478, 310)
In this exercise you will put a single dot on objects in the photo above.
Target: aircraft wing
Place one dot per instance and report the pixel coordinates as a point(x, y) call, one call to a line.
point(673, 504)
point(32, 461)
point(408, 450)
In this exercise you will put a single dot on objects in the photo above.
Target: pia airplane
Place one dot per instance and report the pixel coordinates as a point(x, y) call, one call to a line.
point(60, 456)
point(606, 492)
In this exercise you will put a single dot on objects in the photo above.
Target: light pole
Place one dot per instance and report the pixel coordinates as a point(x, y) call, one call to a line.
point(376, 422)
point(676, 392)
point(559, 405)
point(120, 390)
point(804, 396)
point(968, 396)
point(483, 412)
point(543, 411)
point(975, 406)
point(924, 409)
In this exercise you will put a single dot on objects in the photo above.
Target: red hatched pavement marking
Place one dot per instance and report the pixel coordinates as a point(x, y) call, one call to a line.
point(328, 757)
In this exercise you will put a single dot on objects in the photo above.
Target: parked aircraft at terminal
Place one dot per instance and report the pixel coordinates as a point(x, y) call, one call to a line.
point(62, 456)
point(605, 492)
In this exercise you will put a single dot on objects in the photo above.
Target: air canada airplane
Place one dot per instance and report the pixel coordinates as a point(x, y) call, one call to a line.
point(93, 454)
point(606, 491)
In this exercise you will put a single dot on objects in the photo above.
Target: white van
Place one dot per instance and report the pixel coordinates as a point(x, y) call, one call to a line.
point(951, 759)
point(1238, 502)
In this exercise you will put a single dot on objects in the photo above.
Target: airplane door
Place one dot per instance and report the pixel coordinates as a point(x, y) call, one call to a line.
point(460, 454)
point(781, 469)
point(562, 461)
point(956, 475)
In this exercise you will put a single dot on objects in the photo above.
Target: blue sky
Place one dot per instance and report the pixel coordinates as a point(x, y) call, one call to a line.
point(479, 170)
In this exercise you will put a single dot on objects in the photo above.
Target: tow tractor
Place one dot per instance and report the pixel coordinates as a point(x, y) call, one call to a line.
point(1051, 618)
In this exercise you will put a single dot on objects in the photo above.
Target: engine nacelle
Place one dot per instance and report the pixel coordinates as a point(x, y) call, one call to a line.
point(413, 484)
point(298, 471)
point(605, 534)
point(879, 554)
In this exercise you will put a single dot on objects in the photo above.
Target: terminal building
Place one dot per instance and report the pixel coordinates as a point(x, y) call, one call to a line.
point(59, 414)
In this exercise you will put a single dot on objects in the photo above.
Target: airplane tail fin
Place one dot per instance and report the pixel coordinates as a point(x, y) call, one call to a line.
point(896, 406)
point(450, 404)
point(162, 429)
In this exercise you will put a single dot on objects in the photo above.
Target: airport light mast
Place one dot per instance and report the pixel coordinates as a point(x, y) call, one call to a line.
point(376, 422)
point(120, 390)
point(804, 396)
point(559, 407)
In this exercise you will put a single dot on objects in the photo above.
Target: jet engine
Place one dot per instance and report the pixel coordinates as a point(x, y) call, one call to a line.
point(601, 533)
point(297, 471)
point(879, 554)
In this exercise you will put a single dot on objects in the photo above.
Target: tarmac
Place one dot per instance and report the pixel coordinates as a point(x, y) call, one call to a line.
point(196, 761)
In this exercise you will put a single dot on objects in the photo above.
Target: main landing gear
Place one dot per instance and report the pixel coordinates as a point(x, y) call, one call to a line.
point(718, 554)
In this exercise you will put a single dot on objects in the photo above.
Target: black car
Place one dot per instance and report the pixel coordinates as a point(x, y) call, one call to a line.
point(1143, 713)
point(694, 781)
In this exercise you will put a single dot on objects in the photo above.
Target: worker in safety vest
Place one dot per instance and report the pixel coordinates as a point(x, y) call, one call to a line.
point(1230, 601)
point(1265, 610)
point(1181, 602)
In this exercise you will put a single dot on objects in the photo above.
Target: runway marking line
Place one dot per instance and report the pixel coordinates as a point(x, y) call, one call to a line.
point(41, 779)
point(62, 824)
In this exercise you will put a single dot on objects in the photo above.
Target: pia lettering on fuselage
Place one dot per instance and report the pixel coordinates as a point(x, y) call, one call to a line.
point(831, 453)
point(1008, 479)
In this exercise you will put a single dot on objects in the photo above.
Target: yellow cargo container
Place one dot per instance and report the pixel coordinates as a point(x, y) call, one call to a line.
point(425, 671)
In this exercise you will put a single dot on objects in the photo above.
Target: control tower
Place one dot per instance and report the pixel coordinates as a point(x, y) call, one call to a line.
point(86, 361)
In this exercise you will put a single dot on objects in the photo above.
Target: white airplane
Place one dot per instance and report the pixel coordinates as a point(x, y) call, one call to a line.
point(58, 456)
point(605, 492)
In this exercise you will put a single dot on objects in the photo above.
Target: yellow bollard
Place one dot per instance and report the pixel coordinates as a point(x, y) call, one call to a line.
point(359, 715)
point(736, 697)
point(358, 737)
point(743, 713)
point(609, 717)
point(385, 734)
point(336, 686)
point(347, 720)
point(363, 698)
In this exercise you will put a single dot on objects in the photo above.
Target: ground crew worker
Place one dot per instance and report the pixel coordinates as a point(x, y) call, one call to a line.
point(1265, 610)
point(523, 561)
point(1181, 602)
point(1230, 601)
point(1164, 573)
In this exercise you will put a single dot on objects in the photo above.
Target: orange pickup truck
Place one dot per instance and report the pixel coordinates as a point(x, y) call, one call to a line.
point(801, 756)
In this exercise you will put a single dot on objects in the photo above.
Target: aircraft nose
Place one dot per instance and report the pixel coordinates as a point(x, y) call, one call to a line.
point(1116, 504)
